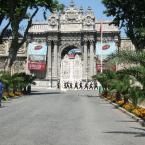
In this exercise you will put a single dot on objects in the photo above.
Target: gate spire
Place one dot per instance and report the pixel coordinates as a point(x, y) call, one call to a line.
point(72, 4)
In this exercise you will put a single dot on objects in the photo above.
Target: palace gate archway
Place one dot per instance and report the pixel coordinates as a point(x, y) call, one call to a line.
point(71, 66)
point(71, 29)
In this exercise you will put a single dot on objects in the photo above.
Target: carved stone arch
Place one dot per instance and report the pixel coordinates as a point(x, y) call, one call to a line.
point(70, 46)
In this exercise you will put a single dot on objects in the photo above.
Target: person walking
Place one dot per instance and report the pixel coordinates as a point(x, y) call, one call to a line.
point(91, 86)
point(76, 85)
point(71, 85)
point(81, 86)
point(86, 86)
point(67, 85)
point(95, 86)
point(1, 92)
point(58, 84)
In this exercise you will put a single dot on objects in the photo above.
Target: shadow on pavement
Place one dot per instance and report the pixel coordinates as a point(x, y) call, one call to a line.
point(140, 133)
point(3, 106)
point(44, 93)
point(126, 121)
point(34, 91)
point(143, 129)
point(92, 96)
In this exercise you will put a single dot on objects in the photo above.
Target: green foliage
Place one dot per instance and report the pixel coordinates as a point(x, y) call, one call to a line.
point(130, 15)
point(134, 64)
point(22, 80)
point(136, 94)
point(134, 67)
point(16, 82)
point(5, 98)
point(122, 84)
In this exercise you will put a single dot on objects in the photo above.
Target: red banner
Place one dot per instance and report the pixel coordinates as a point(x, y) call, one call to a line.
point(40, 66)
point(98, 67)
point(72, 56)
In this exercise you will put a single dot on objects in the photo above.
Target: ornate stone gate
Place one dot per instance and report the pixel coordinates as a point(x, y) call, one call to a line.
point(73, 28)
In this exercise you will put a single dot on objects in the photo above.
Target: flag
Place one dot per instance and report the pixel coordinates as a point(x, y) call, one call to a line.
point(101, 33)
point(101, 30)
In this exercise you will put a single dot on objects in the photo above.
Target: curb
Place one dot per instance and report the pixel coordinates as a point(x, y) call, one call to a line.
point(137, 119)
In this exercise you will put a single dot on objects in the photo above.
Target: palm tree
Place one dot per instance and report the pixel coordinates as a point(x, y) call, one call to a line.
point(104, 79)
point(134, 65)
point(23, 81)
point(6, 79)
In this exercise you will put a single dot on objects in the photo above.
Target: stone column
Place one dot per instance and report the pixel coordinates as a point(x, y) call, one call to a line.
point(59, 64)
point(91, 63)
point(49, 62)
point(85, 61)
point(55, 73)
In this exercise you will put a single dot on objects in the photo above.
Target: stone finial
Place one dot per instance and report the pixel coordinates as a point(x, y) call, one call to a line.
point(81, 9)
point(89, 10)
point(72, 4)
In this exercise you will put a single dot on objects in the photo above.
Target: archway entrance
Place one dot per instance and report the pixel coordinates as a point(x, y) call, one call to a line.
point(71, 67)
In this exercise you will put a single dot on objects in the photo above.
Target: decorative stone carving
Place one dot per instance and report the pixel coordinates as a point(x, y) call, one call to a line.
point(89, 37)
point(22, 50)
point(72, 14)
point(3, 47)
point(89, 20)
point(53, 20)
point(19, 66)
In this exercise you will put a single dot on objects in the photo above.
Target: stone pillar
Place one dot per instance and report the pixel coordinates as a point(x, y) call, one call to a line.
point(59, 64)
point(55, 73)
point(49, 62)
point(85, 61)
point(91, 62)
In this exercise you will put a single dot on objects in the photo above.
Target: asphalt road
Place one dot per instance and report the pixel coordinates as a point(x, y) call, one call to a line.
point(66, 118)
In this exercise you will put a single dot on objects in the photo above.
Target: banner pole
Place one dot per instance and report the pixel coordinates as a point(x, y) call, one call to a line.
point(101, 47)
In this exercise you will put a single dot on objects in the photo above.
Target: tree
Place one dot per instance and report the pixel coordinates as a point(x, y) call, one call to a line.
point(3, 16)
point(15, 12)
point(134, 67)
point(130, 15)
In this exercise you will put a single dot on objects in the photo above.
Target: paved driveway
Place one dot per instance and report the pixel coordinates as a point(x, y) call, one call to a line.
point(66, 118)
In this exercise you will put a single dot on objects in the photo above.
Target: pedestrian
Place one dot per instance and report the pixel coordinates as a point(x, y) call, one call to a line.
point(71, 85)
point(91, 86)
point(67, 85)
point(1, 92)
point(76, 85)
point(95, 86)
point(81, 87)
point(86, 86)
point(58, 84)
